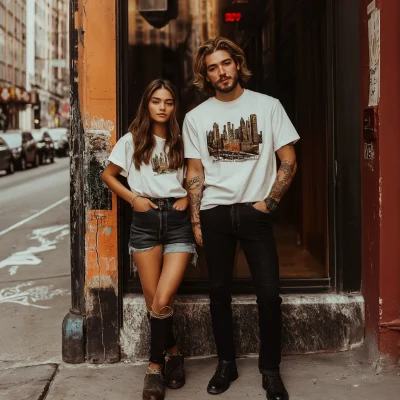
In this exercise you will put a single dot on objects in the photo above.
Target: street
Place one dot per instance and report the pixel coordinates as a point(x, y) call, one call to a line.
point(34, 264)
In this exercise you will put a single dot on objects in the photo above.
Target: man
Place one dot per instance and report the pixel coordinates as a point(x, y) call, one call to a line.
point(230, 143)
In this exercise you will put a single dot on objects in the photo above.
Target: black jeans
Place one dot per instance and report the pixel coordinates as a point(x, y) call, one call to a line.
point(222, 227)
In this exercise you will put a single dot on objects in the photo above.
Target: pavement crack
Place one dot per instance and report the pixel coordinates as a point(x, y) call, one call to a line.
point(98, 292)
point(46, 389)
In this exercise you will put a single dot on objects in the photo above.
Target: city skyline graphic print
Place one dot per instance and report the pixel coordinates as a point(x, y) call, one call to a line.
point(160, 164)
point(231, 144)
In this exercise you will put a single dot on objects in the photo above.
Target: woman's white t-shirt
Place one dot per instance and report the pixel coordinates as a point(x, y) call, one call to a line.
point(153, 180)
point(236, 142)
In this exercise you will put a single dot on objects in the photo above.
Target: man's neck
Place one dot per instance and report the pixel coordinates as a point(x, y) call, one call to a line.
point(230, 96)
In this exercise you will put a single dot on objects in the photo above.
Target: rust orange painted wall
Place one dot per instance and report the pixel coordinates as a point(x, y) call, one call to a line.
point(97, 93)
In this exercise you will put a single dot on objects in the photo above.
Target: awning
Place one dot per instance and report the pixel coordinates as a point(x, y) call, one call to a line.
point(16, 95)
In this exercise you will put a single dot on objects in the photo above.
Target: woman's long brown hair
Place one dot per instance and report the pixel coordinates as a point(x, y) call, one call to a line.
point(140, 129)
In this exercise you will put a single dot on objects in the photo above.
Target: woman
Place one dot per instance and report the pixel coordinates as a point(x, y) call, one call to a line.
point(161, 240)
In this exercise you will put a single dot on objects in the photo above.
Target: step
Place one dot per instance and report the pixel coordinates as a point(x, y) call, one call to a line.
point(311, 323)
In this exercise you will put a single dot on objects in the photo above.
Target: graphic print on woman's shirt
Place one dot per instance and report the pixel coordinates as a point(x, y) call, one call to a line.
point(154, 179)
point(160, 164)
point(235, 144)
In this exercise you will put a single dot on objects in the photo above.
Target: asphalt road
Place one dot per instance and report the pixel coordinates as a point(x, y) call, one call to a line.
point(34, 264)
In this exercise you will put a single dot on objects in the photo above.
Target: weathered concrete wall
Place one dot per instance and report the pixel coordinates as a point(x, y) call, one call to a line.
point(311, 323)
point(93, 207)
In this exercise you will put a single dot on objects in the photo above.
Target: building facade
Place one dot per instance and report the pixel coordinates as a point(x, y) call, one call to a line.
point(328, 62)
point(47, 62)
point(14, 95)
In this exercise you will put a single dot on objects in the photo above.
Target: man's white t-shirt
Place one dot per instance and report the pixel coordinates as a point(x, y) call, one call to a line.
point(153, 180)
point(236, 142)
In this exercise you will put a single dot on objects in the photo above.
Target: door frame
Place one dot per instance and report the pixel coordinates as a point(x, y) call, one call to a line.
point(343, 115)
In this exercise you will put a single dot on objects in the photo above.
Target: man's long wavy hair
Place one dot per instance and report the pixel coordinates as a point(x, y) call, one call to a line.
point(209, 47)
point(141, 129)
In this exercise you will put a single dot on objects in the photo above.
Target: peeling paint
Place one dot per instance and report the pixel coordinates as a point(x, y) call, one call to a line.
point(103, 282)
point(97, 150)
point(97, 123)
point(108, 231)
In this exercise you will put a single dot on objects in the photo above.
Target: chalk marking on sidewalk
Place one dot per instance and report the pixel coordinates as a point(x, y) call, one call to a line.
point(18, 224)
point(27, 257)
point(26, 294)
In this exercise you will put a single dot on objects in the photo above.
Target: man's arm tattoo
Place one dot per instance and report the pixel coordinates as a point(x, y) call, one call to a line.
point(196, 187)
point(283, 180)
point(196, 183)
point(195, 200)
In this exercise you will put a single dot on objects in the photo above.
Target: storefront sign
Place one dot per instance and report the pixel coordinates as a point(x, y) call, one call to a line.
point(233, 16)
point(16, 95)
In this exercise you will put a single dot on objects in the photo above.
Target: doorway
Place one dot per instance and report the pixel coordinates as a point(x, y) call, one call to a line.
point(286, 45)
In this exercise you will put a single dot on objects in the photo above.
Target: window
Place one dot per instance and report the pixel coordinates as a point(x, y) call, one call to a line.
point(2, 42)
point(2, 16)
point(301, 222)
point(10, 23)
point(9, 52)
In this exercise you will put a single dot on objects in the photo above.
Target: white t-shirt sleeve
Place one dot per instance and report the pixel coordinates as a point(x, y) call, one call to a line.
point(283, 130)
point(122, 154)
point(190, 140)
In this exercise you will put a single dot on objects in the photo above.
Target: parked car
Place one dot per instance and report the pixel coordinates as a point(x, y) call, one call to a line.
point(6, 157)
point(60, 138)
point(45, 145)
point(23, 147)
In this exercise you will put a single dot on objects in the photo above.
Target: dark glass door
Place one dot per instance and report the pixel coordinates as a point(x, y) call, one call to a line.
point(287, 50)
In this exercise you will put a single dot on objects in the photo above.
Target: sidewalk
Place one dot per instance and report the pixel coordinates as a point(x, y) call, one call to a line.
point(339, 376)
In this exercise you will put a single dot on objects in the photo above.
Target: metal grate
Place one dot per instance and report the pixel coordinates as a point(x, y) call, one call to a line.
point(152, 5)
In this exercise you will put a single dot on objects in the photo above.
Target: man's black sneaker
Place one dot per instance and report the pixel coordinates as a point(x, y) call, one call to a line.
point(225, 374)
point(272, 383)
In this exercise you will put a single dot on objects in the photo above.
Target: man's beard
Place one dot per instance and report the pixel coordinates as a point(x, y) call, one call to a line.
point(227, 89)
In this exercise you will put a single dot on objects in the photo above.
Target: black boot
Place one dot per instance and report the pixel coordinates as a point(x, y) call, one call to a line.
point(174, 370)
point(154, 388)
point(272, 383)
point(225, 374)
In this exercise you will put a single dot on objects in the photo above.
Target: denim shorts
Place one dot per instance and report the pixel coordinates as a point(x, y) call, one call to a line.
point(165, 227)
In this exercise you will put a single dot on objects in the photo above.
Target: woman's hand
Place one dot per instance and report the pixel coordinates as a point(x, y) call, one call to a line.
point(181, 204)
point(142, 204)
